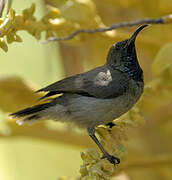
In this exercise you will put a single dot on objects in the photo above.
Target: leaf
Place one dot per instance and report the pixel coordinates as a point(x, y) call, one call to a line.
point(4, 127)
point(16, 93)
point(3, 44)
point(80, 11)
point(163, 61)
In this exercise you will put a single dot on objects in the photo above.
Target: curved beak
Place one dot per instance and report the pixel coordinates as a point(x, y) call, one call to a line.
point(134, 35)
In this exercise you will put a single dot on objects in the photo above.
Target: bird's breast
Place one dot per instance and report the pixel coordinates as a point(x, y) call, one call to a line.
point(90, 111)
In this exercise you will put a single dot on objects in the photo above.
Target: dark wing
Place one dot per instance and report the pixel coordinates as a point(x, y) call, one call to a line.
point(101, 82)
point(71, 84)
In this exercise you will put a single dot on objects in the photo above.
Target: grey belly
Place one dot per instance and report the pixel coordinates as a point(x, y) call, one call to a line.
point(89, 111)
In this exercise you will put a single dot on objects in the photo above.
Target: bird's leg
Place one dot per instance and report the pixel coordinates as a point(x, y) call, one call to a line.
point(111, 125)
point(112, 159)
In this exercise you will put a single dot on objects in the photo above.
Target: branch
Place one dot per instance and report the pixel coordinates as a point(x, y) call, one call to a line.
point(40, 131)
point(13, 23)
point(161, 20)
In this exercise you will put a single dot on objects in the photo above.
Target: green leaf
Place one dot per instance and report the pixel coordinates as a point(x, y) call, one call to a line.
point(163, 62)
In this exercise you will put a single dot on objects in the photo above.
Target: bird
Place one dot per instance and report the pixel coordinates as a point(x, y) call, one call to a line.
point(95, 97)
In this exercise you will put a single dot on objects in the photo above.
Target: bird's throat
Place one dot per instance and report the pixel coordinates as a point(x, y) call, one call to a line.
point(132, 68)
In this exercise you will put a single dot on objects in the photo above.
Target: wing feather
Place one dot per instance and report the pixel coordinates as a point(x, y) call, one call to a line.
point(101, 82)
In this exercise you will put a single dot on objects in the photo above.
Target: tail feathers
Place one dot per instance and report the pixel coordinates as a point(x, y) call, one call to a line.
point(29, 119)
point(31, 114)
point(30, 110)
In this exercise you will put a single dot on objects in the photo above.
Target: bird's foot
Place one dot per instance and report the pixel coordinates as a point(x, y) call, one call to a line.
point(110, 125)
point(112, 159)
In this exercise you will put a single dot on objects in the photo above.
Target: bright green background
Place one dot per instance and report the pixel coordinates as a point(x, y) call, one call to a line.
point(26, 158)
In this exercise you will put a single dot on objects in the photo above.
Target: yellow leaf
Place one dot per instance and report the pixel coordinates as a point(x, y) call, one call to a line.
point(3, 45)
point(11, 14)
point(16, 93)
point(18, 38)
point(81, 11)
point(53, 12)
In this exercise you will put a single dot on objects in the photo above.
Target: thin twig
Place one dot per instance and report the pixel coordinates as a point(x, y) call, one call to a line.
point(161, 20)
point(40, 131)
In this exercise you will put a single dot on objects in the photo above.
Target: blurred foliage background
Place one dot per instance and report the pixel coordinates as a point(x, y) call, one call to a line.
point(48, 150)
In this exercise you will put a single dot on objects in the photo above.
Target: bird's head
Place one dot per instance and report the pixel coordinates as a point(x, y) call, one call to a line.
point(123, 53)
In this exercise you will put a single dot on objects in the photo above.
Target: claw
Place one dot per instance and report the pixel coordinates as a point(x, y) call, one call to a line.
point(111, 125)
point(112, 159)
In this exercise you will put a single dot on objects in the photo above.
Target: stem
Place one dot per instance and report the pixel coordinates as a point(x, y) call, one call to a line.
point(40, 131)
point(161, 20)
